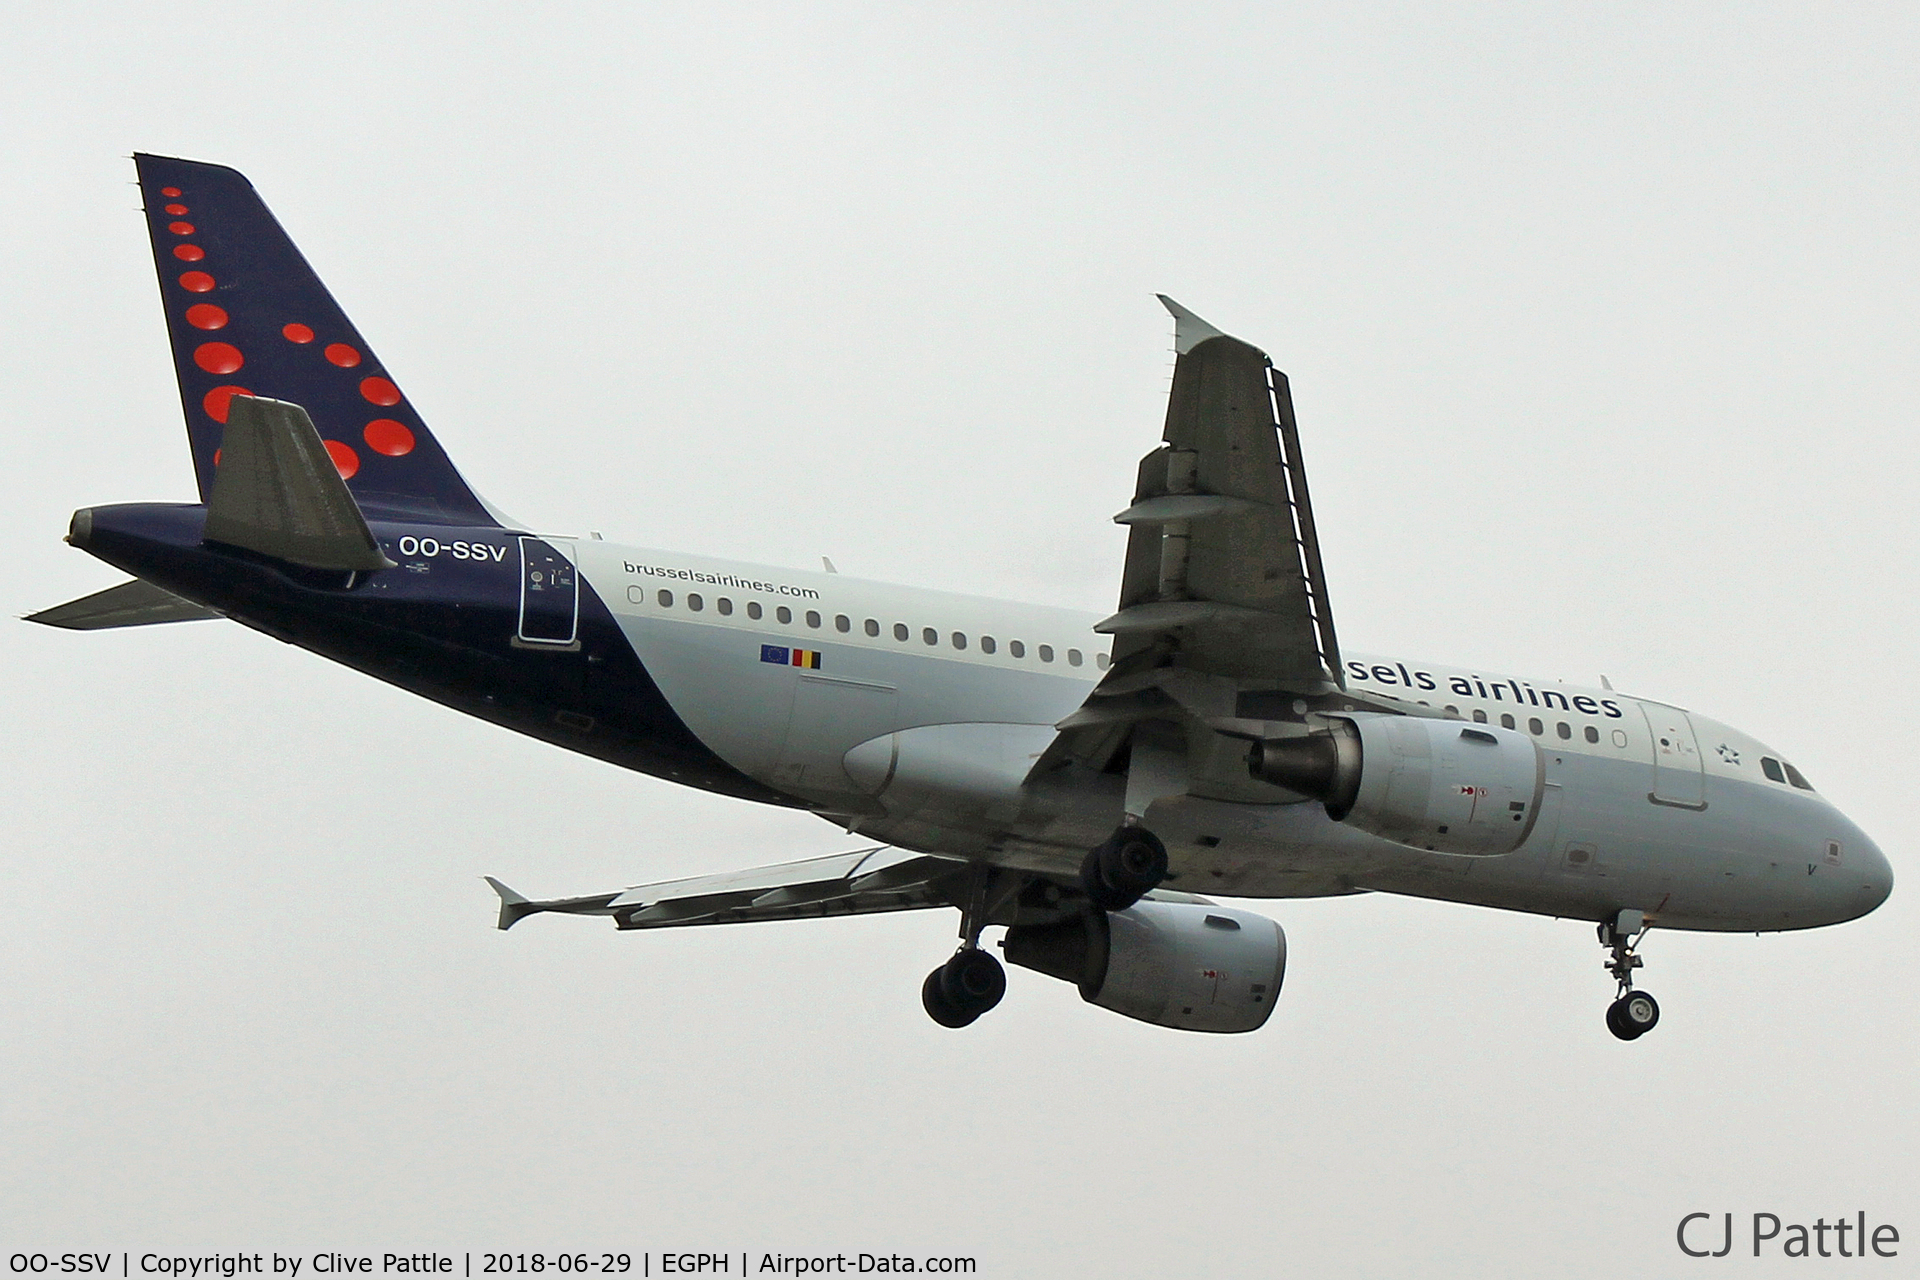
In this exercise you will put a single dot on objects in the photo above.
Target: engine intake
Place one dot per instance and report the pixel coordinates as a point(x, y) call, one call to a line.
point(1187, 965)
point(1439, 785)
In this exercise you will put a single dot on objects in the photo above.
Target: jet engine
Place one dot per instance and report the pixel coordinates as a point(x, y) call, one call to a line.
point(1439, 785)
point(1192, 966)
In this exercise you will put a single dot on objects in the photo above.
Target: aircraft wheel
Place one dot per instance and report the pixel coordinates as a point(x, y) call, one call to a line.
point(972, 981)
point(933, 998)
point(1633, 1015)
point(1121, 870)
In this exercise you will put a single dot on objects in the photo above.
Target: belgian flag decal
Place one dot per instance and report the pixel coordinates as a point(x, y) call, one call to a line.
point(782, 656)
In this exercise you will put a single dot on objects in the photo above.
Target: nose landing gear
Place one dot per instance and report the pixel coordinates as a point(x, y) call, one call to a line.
point(1633, 1013)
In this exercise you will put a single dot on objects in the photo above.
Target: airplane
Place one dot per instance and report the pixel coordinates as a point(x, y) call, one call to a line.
point(1086, 784)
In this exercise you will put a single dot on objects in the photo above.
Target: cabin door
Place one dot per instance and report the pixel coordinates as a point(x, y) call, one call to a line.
point(1678, 772)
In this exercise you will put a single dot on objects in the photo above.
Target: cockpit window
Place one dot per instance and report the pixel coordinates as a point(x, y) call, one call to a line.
point(1797, 778)
point(1771, 767)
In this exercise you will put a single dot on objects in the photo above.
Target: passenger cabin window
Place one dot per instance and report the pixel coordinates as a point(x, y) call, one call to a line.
point(842, 623)
point(1797, 778)
point(1102, 661)
point(753, 610)
point(725, 606)
point(1593, 734)
point(1017, 648)
point(784, 614)
point(930, 636)
point(1535, 728)
point(1564, 729)
point(1454, 712)
point(873, 626)
point(666, 599)
point(1073, 657)
point(813, 619)
point(1506, 722)
point(1771, 767)
point(900, 632)
point(959, 639)
point(987, 645)
point(1619, 737)
point(1479, 716)
point(1046, 653)
point(694, 602)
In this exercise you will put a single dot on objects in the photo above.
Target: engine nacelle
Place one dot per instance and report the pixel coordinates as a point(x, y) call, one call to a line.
point(1440, 785)
point(1187, 965)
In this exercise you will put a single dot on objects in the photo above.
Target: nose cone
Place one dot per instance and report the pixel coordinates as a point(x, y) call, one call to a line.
point(1876, 875)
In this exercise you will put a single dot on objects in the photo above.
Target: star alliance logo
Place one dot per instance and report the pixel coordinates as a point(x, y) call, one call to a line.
point(1728, 754)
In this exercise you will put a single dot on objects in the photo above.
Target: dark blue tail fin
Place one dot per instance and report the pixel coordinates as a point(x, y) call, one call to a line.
point(246, 313)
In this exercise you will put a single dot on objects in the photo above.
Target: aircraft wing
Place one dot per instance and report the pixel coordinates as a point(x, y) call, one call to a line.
point(841, 884)
point(1223, 566)
point(1224, 618)
point(862, 882)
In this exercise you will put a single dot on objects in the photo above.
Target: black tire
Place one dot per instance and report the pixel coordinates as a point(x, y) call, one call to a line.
point(1122, 870)
point(972, 982)
point(1640, 1012)
point(1616, 1025)
point(933, 998)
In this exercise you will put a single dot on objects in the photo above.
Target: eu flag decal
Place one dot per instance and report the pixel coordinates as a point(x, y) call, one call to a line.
point(780, 655)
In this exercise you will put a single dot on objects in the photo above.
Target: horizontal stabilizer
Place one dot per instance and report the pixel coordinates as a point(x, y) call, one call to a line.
point(131, 604)
point(278, 492)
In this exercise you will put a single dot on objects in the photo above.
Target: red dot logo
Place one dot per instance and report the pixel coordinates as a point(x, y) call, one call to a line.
point(218, 357)
point(180, 228)
point(204, 315)
point(384, 435)
point(176, 209)
point(189, 252)
point(343, 355)
point(345, 460)
point(169, 192)
point(219, 401)
point(216, 457)
point(197, 282)
point(379, 391)
point(297, 333)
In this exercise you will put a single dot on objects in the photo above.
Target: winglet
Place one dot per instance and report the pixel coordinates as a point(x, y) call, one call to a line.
point(1189, 330)
point(513, 907)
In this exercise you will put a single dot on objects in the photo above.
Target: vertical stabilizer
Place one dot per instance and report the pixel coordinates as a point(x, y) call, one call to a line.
point(247, 315)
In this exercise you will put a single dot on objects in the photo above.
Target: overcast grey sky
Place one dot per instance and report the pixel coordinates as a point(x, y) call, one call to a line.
point(1601, 329)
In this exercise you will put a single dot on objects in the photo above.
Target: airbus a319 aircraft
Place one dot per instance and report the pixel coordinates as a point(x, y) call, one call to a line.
point(1079, 782)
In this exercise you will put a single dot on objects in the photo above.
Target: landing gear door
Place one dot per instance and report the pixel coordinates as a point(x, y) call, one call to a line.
point(549, 595)
point(1678, 777)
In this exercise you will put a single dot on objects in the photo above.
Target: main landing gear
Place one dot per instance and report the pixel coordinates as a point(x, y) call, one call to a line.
point(1633, 1013)
point(1123, 868)
point(971, 982)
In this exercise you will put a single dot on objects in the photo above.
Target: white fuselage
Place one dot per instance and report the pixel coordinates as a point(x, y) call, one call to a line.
point(783, 673)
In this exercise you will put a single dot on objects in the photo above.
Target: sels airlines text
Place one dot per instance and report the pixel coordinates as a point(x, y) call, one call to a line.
point(1498, 689)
